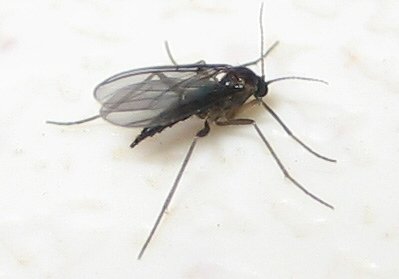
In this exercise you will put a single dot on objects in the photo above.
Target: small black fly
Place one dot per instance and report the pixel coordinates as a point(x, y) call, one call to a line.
point(155, 98)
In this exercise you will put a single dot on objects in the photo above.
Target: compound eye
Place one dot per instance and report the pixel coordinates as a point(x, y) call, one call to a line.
point(262, 89)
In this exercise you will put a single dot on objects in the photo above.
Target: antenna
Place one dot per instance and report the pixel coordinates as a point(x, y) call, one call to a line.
point(295, 77)
point(261, 41)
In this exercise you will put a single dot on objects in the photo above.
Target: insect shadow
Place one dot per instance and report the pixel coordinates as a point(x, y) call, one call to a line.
point(155, 98)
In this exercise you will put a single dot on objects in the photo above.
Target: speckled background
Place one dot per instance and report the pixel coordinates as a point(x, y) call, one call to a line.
point(77, 202)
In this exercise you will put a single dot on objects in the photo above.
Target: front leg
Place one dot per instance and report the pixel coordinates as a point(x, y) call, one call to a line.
point(244, 121)
point(237, 121)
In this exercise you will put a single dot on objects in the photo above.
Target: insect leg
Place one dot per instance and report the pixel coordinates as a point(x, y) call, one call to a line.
point(276, 158)
point(202, 133)
point(263, 56)
point(170, 53)
point(202, 62)
point(289, 132)
point(73, 122)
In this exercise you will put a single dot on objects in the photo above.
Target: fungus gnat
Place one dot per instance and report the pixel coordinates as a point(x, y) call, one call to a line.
point(155, 98)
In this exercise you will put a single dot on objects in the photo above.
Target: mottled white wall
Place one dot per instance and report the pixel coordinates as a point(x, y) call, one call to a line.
point(77, 202)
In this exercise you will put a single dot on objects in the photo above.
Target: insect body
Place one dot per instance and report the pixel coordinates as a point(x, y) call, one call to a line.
point(155, 98)
point(166, 95)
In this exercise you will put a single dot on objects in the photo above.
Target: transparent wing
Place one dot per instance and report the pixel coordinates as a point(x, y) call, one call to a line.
point(157, 96)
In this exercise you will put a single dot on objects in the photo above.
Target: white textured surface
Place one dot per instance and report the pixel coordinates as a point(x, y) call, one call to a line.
point(76, 202)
